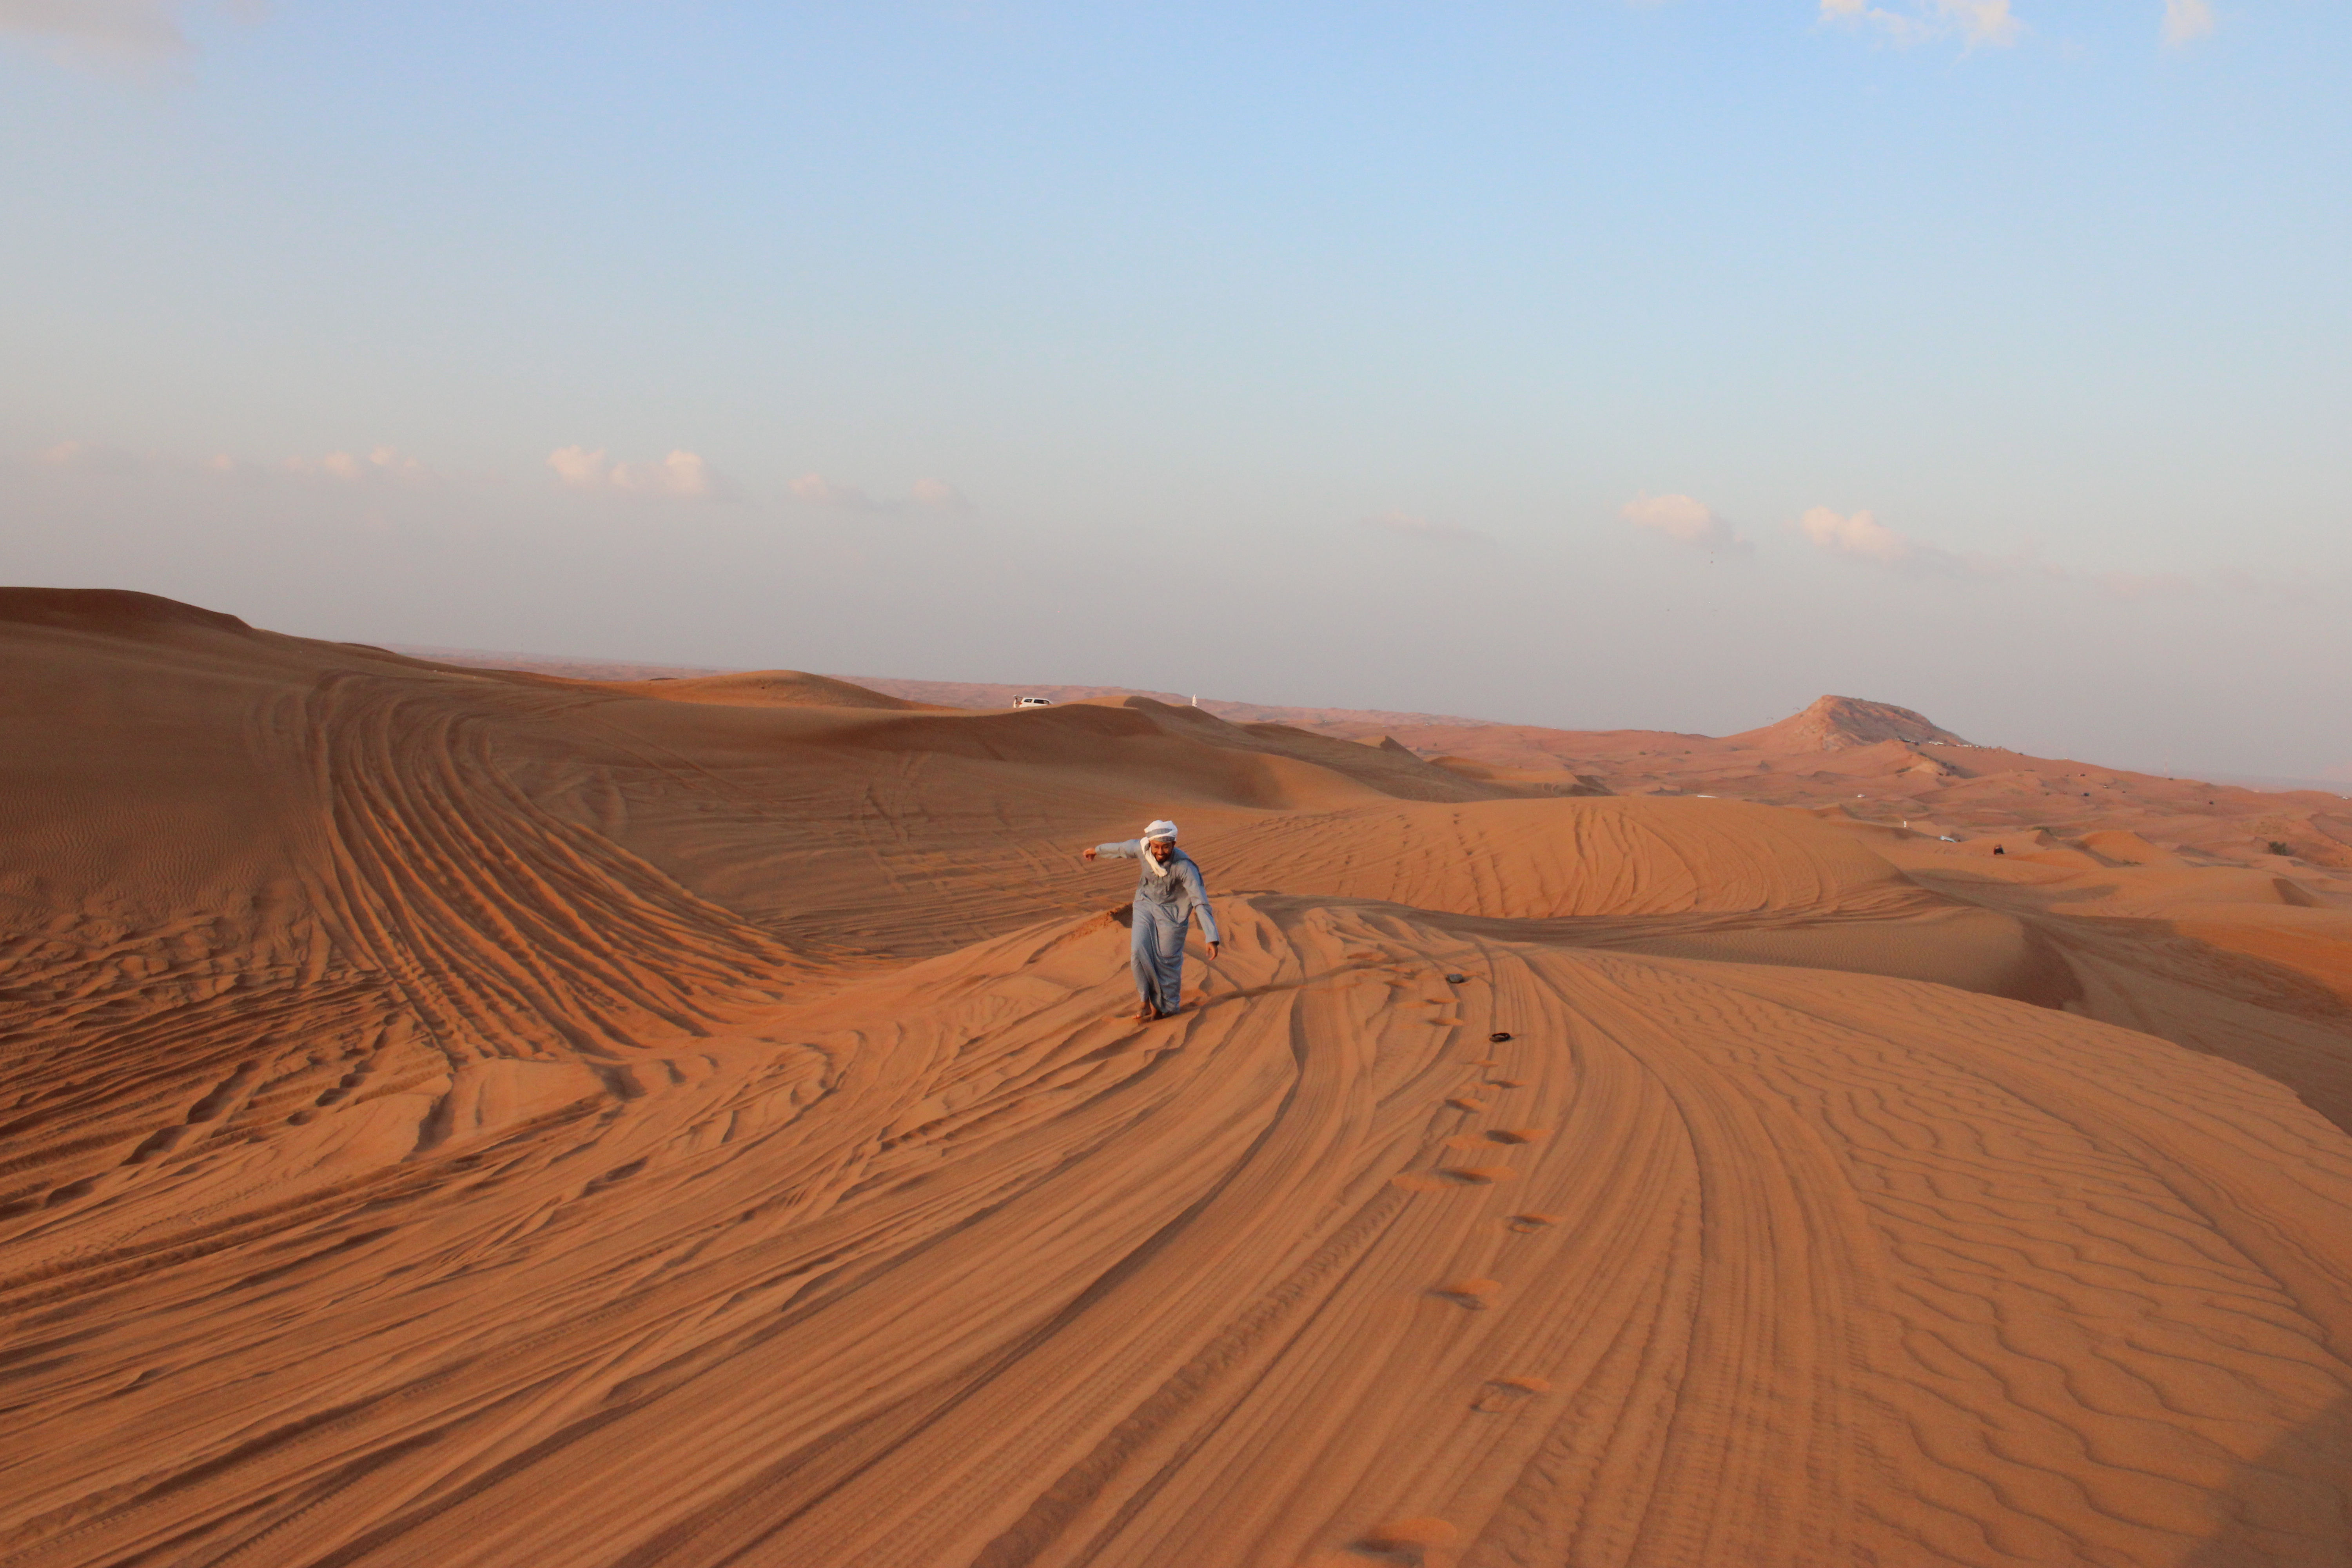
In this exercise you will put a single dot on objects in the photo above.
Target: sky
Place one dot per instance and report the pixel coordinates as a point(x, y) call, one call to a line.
point(1589, 363)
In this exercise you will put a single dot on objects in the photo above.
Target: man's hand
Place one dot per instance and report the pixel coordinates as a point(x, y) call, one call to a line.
point(1213, 948)
point(1087, 853)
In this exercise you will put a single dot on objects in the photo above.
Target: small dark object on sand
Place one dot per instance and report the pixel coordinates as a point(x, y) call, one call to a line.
point(1499, 1036)
point(1455, 979)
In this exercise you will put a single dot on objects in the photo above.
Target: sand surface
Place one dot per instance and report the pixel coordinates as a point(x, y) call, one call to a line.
point(459, 1118)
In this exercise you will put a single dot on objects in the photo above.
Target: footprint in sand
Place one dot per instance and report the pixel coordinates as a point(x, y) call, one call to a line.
point(1507, 1083)
point(1413, 1535)
point(1463, 1102)
point(1529, 1223)
point(1477, 1175)
point(1503, 1395)
point(1477, 1294)
point(1518, 1134)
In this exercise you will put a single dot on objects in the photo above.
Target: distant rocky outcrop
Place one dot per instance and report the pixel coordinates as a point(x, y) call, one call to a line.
point(1835, 723)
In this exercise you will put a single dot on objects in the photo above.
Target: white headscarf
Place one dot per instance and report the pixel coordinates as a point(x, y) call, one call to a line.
point(1163, 828)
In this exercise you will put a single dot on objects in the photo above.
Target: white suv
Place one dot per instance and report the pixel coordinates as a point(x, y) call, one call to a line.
point(1034, 702)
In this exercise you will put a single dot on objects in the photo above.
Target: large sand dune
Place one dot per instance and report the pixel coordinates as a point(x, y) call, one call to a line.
point(457, 1118)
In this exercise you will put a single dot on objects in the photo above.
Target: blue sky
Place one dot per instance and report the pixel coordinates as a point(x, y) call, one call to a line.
point(1589, 363)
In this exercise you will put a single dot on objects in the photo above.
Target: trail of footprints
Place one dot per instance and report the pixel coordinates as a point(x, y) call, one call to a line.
point(1421, 1537)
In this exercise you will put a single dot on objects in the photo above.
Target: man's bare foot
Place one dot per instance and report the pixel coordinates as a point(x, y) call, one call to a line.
point(1146, 1014)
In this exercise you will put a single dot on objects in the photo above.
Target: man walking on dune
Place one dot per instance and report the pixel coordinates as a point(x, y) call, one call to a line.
point(1170, 893)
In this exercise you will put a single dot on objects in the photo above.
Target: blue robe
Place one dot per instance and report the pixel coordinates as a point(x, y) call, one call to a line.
point(1164, 907)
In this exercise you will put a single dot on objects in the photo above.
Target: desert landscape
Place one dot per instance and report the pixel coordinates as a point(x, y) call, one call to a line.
point(470, 1116)
point(1231, 786)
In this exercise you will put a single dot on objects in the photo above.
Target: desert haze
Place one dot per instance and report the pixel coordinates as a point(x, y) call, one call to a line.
point(474, 1117)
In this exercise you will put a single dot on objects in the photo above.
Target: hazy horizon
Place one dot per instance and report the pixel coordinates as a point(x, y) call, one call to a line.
point(1598, 364)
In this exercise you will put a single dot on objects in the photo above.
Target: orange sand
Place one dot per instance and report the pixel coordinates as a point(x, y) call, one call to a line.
point(459, 1118)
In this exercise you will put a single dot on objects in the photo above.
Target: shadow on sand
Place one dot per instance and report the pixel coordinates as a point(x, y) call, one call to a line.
point(2292, 1507)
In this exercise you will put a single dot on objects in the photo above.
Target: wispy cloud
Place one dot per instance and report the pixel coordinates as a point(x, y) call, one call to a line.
point(2186, 21)
point(937, 495)
point(682, 474)
point(382, 464)
point(1860, 536)
point(2137, 585)
point(1974, 22)
point(1687, 521)
point(1410, 525)
point(2298, 591)
point(818, 490)
point(111, 32)
point(923, 495)
point(89, 457)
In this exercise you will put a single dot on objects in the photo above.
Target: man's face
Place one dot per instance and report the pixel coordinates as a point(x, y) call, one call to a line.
point(1162, 848)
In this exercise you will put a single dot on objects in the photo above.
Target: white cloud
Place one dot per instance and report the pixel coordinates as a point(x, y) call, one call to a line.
point(114, 31)
point(382, 464)
point(378, 466)
point(939, 495)
point(2186, 21)
point(1409, 525)
point(818, 490)
point(130, 29)
point(1685, 520)
point(1862, 535)
point(682, 474)
point(1973, 22)
point(923, 495)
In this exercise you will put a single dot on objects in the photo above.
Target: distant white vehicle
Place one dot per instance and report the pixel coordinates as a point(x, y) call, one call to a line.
point(1034, 702)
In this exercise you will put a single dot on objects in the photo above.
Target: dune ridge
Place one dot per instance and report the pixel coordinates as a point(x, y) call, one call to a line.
point(1872, 761)
point(486, 1119)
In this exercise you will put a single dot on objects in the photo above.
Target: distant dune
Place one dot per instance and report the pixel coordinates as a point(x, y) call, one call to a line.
point(470, 1116)
point(1869, 760)
point(571, 668)
point(765, 688)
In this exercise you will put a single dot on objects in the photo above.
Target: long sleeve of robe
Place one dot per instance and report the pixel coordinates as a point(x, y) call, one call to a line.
point(1181, 891)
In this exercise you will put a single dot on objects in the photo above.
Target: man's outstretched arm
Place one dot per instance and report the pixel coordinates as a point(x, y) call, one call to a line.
point(1128, 850)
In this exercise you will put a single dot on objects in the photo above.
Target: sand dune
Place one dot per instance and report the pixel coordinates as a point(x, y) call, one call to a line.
point(1871, 761)
point(470, 1119)
point(764, 688)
